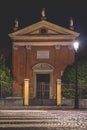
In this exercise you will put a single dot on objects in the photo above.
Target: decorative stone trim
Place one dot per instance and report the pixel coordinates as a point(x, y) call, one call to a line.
point(15, 47)
point(62, 73)
point(42, 66)
point(58, 81)
point(50, 42)
point(43, 31)
point(28, 47)
point(57, 47)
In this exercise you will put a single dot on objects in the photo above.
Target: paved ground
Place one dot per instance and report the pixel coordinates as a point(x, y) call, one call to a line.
point(43, 119)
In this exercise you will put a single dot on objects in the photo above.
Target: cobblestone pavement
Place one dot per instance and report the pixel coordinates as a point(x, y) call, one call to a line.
point(44, 119)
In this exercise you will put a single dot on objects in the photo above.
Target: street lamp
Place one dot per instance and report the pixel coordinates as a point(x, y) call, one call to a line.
point(76, 46)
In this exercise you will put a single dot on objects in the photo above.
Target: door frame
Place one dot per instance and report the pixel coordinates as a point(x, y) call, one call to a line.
point(43, 68)
point(50, 86)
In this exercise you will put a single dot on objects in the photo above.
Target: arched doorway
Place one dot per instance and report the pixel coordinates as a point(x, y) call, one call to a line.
point(43, 80)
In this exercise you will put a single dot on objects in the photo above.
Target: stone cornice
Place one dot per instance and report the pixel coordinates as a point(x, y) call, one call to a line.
point(42, 38)
point(42, 43)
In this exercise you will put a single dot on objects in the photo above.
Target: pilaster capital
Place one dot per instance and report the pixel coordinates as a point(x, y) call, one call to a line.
point(28, 47)
point(57, 47)
point(58, 81)
point(15, 47)
point(26, 80)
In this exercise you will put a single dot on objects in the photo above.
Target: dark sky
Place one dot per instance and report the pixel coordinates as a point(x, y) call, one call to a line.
point(29, 12)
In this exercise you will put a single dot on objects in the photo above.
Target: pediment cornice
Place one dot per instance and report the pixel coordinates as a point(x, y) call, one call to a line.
point(43, 33)
point(50, 27)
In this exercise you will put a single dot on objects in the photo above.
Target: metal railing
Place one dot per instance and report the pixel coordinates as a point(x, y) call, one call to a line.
point(68, 90)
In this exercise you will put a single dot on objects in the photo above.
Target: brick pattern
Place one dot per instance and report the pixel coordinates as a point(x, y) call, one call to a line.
point(24, 59)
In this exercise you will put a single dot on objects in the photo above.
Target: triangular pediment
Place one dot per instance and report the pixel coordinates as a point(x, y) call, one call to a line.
point(44, 27)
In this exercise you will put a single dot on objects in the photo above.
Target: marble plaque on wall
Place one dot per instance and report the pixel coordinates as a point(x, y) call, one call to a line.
point(43, 54)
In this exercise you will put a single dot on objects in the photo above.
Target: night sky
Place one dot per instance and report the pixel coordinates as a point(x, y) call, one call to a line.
point(29, 12)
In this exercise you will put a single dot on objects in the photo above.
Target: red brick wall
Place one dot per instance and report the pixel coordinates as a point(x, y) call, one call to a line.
point(24, 59)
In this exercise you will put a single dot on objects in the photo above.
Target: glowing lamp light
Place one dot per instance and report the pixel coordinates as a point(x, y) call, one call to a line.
point(76, 45)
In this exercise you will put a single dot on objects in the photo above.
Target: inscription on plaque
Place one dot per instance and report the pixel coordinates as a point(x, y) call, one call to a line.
point(43, 54)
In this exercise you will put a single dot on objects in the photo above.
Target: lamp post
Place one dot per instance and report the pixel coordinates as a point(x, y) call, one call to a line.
point(76, 105)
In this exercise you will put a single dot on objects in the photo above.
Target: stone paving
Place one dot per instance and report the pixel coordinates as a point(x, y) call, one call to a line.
point(44, 119)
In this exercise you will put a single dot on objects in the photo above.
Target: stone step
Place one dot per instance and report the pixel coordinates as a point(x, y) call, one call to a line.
point(27, 127)
point(39, 124)
point(43, 119)
point(48, 126)
point(32, 107)
point(47, 122)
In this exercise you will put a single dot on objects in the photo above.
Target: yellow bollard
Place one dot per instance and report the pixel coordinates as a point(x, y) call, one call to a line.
point(58, 92)
point(26, 92)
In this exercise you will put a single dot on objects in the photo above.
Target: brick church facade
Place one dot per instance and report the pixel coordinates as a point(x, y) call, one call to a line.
point(41, 53)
